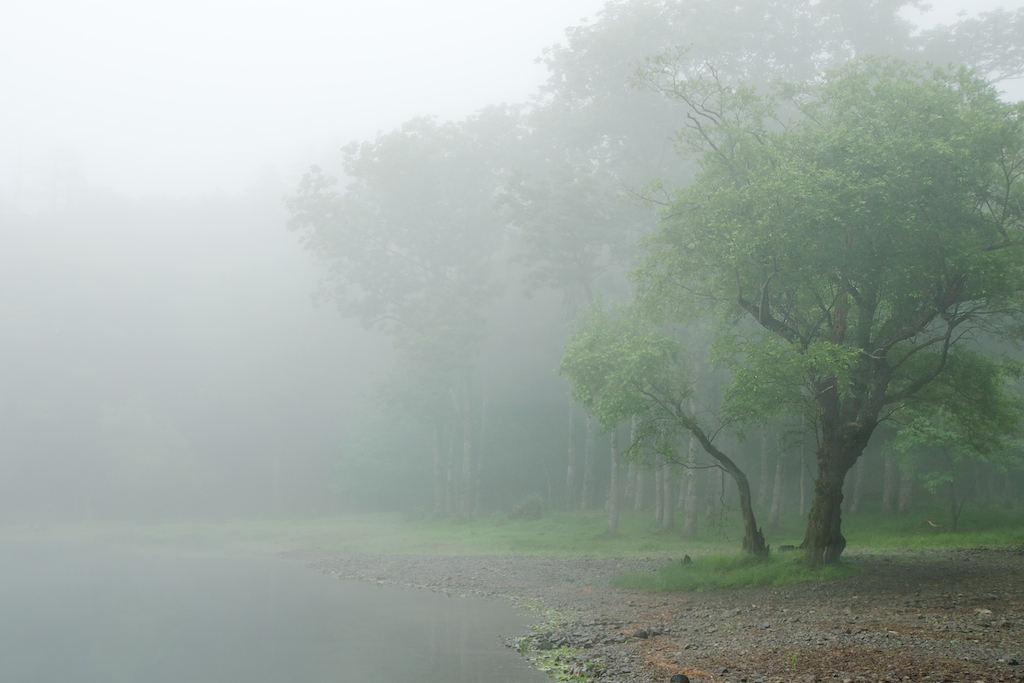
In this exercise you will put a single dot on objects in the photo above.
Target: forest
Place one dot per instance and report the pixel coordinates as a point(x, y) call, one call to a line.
point(756, 258)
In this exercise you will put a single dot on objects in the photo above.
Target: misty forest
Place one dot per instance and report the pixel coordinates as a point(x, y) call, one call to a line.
point(738, 261)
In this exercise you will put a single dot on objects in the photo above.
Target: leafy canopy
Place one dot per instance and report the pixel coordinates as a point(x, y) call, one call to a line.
point(857, 229)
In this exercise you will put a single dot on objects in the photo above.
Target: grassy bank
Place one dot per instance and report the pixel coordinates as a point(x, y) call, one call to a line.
point(555, 534)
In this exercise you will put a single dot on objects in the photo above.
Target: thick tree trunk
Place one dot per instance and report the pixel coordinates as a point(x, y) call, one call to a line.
point(589, 448)
point(824, 542)
point(840, 447)
point(612, 528)
point(570, 472)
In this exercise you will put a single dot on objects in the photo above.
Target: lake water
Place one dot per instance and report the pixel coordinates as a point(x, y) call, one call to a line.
point(70, 614)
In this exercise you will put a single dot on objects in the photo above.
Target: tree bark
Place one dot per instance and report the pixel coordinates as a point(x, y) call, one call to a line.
point(907, 486)
point(466, 498)
point(858, 488)
point(776, 509)
point(840, 447)
point(641, 483)
point(439, 455)
point(690, 504)
point(659, 489)
point(449, 499)
point(570, 472)
point(668, 501)
point(612, 528)
point(803, 478)
point(954, 511)
point(765, 478)
point(478, 477)
point(630, 493)
point(710, 505)
point(753, 539)
point(890, 484)
point(589, 447)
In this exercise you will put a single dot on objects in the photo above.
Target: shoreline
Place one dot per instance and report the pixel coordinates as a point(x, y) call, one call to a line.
point(956, 616)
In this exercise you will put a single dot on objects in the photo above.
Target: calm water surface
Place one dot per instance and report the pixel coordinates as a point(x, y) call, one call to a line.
point(70, 614)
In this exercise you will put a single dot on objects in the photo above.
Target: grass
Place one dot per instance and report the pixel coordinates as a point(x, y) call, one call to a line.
point(731, 571)
point(717, 559)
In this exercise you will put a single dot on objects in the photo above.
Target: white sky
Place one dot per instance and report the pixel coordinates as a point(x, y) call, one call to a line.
point(195, 96)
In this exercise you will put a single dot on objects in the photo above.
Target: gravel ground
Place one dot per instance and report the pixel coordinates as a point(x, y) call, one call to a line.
point(942, 616)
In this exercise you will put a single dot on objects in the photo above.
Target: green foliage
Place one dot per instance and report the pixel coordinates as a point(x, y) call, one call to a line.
point(620, 367)
point(713, 572)
point(991, 527)
point(866, 227)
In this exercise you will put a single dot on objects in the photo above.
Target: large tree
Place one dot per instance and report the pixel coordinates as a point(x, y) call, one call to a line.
point(857, 234)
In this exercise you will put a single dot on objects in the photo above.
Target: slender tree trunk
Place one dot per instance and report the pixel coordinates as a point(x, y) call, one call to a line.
point(858, 487)
point(641, 484)
point(907, 486)
point(630, 493)
point(711, 494)
point(777, 491)
point(890, 484)
point(439, 456)
point(570, 473)
point(454, 438)
point(589, 448)
point(478, 480)
point(466, 497)
point(803, 479)
point(668, 500)
point(690, 504)
point(765, 479)
point(954, 511)
point(613, 490)
point(659, 489)
point(681, 486)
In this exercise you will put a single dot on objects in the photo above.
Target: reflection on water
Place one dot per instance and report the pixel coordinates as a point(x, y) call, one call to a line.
point(70, 614)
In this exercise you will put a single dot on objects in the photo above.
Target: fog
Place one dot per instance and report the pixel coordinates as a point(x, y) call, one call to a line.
point(198, 96)
point(160, 350)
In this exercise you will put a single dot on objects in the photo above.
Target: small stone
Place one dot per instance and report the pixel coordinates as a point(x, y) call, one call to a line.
point(680, 678)
point(766, 625)
point(642, 634)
